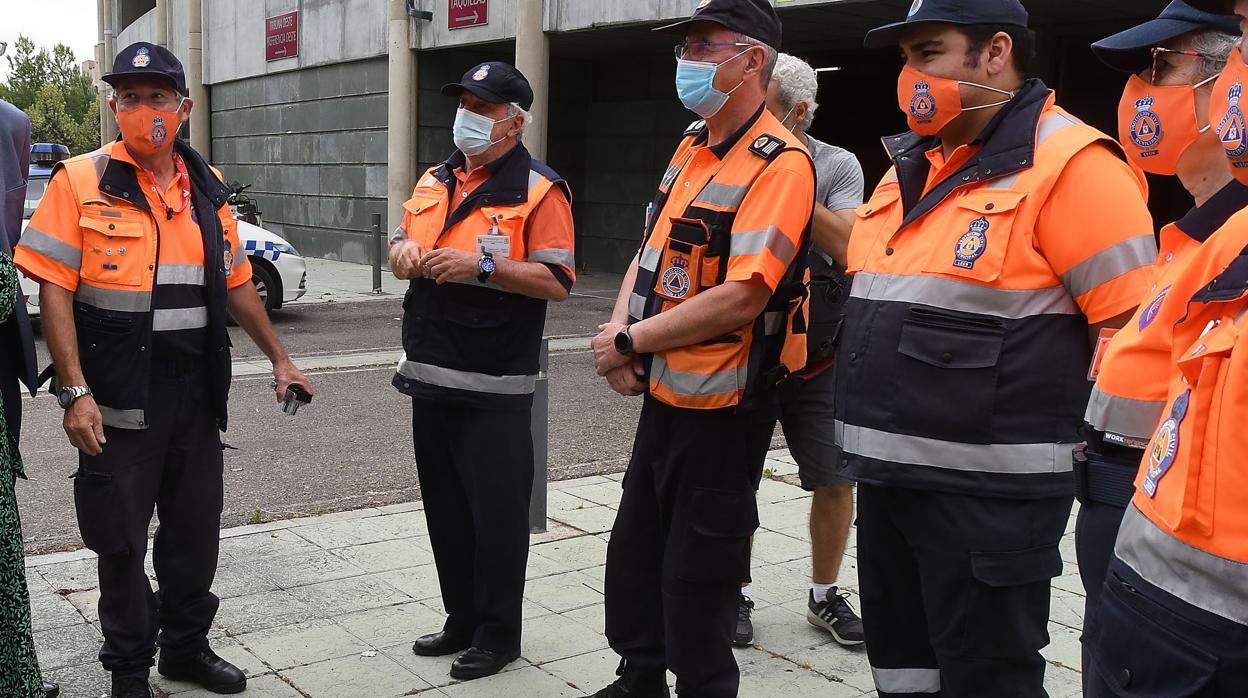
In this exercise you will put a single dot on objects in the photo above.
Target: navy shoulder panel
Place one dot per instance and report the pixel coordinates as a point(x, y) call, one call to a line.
point(549, 173)
point(767, 146)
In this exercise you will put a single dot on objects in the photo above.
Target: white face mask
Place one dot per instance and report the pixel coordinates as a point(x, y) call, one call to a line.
point(472, 132)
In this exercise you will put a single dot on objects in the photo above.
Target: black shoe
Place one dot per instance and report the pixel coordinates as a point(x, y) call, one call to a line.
point(206, 669)
point(835, 615)
point(743, 636)
point(440, 644)
point(51, 690)
point(477, 663)
point(131, 687)
point(636, 684)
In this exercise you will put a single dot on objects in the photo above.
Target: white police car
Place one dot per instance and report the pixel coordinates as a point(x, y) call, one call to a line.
point(277, 269)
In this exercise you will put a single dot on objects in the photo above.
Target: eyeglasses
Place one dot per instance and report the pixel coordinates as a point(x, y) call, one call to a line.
point(694, 50)
point(1160, 65)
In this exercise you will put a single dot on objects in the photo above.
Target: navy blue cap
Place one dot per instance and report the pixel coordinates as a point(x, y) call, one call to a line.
point(964, 12)
point(1217, 7)
point(1131, 50)
point(496, 82)
point(756, 19)
point(144, 59)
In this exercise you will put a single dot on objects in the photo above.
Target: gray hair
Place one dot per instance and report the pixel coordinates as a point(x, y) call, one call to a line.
point(1211, 42)
point(769, 63)
point(797, 83)
point(525, 117)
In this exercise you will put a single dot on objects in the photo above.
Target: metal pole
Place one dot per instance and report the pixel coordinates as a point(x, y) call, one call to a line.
point(379, 253)
point(201, 120)
point(401, 113)
point(539, 427)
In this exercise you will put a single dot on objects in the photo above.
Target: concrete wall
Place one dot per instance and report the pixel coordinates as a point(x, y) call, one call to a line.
point(313, 144)
point(144, 29)
point(329, 31)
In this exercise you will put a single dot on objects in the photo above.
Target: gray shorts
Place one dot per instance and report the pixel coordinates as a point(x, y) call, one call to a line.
point(808, 419)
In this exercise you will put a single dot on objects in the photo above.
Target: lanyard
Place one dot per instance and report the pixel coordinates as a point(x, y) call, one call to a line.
point(184, 182)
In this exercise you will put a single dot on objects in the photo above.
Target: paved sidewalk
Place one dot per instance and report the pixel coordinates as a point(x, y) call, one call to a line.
point(327, 607)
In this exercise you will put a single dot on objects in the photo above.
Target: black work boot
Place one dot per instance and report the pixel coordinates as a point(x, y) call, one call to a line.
point(206, 669)
point(131, 687)
point(743, 636)
point(634, 683)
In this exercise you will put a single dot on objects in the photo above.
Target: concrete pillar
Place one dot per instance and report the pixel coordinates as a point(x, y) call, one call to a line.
point(162, 23)
point(107, 50)
point(201, 117)
point(401, 114)
point(533, 59)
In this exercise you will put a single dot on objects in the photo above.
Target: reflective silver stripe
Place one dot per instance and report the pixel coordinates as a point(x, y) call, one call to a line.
point(906, 680)
point(697, 384)
point(963, 296)
point(1006, 459)
point(554, 256)
point(184, 274)
point(722, 195)
point(650, 258)
point(1217, 584)
point(112, 299)
point(399, 235)
point(100, 160)
point(1052, 124)
point(1004, 182)
point(773, 322)
point(637, 305)
point(755, 241)
point(168, 320)
point(1110, 263)
point(122, 419)
point(50, 247)
point(535, 179)
point(465, 380)
point(1135, 419)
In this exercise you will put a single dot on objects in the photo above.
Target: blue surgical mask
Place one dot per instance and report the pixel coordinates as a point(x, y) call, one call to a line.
point(695, 84)
point(472, 132)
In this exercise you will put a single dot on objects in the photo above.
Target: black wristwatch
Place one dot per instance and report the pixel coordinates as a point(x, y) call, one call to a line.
point(68, 394)
point(624, 341)
point(487, 266)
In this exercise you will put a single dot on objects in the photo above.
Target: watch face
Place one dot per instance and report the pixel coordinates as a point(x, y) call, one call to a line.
point(64, 397)
point(487, 264)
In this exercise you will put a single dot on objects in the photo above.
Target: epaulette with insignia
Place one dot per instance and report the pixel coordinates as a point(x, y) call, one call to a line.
point(695, 128)
point(767, 146)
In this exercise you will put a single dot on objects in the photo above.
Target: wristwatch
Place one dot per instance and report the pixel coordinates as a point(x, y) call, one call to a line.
point(624, 341)
point(68, 394)
point(487, 267)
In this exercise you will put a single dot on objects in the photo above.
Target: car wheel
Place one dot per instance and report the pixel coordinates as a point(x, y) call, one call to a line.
point(267, 285)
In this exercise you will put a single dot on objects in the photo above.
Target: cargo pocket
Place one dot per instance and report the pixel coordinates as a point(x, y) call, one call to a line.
point(101, 518)
point(1005, 590)
point(716, 545)
point(1139, 657)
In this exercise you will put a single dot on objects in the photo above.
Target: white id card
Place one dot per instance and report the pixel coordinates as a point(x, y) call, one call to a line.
point(497, 245)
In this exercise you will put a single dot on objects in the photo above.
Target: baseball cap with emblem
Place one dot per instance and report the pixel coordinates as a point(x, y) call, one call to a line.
point(964, 12)
point(1217, 7)
point(148, 60)
point(756, 19)
point(1131, 50)
point(495, 82)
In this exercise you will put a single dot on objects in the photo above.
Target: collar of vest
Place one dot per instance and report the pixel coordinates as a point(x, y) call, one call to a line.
point(508, 183)
point(1230, 285)
point(701, 133)
point(1009, 146)
point(1203, 221)
point(120, 178)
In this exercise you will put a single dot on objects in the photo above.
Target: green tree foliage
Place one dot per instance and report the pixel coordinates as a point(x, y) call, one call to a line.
point(54, 91)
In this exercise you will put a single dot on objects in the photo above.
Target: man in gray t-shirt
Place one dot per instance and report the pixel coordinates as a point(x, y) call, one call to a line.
point(807, 399)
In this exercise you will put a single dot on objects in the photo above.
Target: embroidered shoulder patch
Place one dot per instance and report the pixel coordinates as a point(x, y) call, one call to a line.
point(695, 128)
point(767, 146)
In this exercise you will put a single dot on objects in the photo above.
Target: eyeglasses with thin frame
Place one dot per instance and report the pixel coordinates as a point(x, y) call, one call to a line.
point(1159, 66)
point(700, 48)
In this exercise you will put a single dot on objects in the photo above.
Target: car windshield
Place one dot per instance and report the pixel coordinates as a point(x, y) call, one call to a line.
point(34, 194)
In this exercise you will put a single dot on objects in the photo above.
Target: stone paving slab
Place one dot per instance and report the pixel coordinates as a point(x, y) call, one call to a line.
point(327, 607)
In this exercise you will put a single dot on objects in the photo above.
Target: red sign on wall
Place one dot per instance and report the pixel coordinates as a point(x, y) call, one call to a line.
point(281, 36)
point(468, 13)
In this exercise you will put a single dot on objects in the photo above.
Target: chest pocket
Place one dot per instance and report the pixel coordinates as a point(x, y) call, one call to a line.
point(875, 222)
point(428, 217)
point(971, 237)
point(510, 223)
point(114, 250)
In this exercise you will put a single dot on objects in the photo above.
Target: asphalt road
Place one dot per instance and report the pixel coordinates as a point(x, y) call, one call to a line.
point(352, 447)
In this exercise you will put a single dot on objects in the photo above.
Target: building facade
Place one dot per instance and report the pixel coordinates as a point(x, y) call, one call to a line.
point(331, 116)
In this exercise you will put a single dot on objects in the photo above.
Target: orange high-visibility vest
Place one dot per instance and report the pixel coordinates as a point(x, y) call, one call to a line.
point(688, 249)
point(1186, 530)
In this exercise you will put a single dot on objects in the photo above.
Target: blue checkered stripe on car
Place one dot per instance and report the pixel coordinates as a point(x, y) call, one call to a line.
point(264, 250)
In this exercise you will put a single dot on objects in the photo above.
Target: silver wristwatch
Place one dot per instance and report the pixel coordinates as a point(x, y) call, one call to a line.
point(68, 394)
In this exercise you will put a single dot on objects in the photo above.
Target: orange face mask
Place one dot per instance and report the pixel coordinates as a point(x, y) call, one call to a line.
point(148, 131)
point(1156, 125)
point(930, 103)
point(1227, 117)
